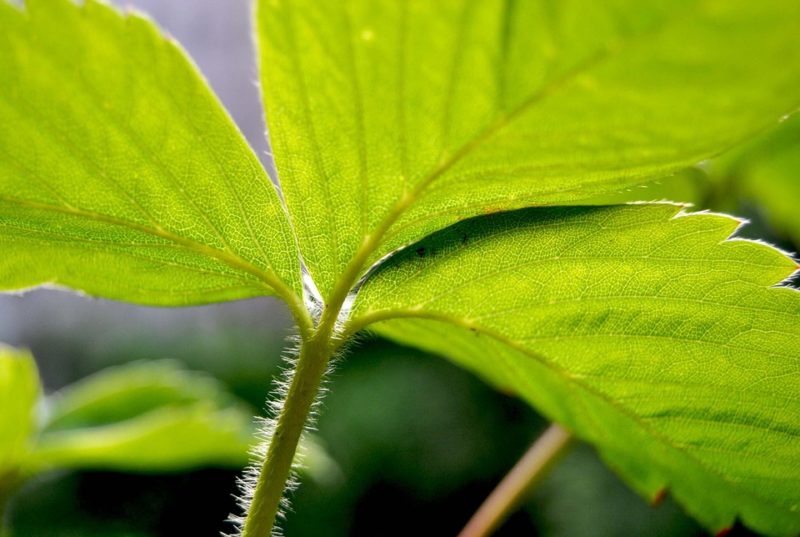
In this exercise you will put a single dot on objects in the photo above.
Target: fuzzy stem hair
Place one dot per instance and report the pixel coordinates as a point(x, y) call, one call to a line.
point(263, 495)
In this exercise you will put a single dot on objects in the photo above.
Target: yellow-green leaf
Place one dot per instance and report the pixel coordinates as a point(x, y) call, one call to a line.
point(168, 439)
point(767, 171)
point(19, 394)
point(142, 416)
point(673, 350)
point(120, 173)
point(391, 119)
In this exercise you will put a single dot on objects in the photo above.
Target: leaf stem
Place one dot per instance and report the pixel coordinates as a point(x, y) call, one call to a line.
point(541, 456)
point(316, 349)
point(311, 366)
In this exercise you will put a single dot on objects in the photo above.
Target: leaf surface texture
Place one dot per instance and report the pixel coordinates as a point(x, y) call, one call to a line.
point(643, 330)
point(392, 119)
point(120, 173)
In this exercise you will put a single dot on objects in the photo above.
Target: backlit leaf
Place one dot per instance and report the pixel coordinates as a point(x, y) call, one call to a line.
point(122, 392)
point(391, 119)
point(641, 329)
point(120, 173)
point(167, 439)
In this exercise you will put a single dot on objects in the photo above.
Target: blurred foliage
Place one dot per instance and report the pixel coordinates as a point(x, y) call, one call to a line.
point(764, 173)
point(418, 444)
point(414, 444)
point(142, 417)
point(19, 392)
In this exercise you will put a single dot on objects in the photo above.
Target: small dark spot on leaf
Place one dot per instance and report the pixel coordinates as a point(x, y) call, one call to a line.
point(421, 252)
point(464, 238)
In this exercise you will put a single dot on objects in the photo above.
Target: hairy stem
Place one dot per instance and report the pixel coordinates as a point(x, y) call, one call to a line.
point(317, 347)
point(306, 381)
point(518, 482)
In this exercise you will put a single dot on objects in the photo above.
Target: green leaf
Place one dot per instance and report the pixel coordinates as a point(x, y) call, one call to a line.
point(392, 119)
point(120, 173)
point(19, 393)
point(767, 171)
point(143, 416)
point(167, 439)
point(119, 393)
point(315, 462)
point(688, 186)
point(640, 328)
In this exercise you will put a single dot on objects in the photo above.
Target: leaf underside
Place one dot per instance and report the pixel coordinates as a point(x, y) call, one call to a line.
point(421, 114)
point(671, 349)
point(120, 173)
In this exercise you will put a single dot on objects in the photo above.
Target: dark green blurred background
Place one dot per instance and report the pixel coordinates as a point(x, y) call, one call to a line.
point(418, 443)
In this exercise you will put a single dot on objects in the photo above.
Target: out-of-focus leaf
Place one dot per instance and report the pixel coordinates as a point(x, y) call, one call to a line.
point(120, 173)
point(123, 392)
point(171, 438)
point(19, 394)
point(411, 115)
point(314, 461)
point(144, 416)
point(641, 329)
point(767, 172)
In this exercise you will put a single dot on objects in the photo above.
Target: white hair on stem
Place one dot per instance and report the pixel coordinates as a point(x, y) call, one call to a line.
point(266, 428)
